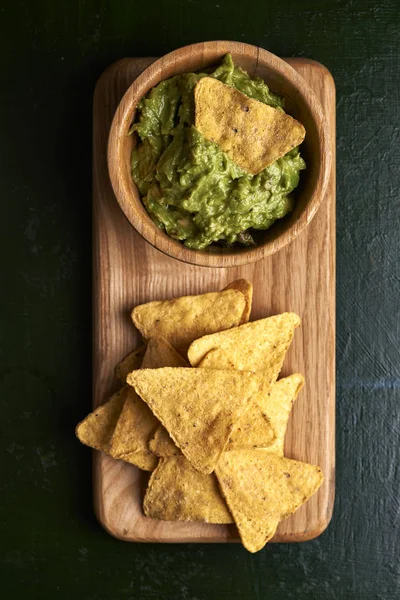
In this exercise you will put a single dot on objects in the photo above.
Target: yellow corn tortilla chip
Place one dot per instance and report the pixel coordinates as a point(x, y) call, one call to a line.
point(97, 428)
point(246, 288)
point(253, 134)
point(177, 492)
point(182, 320)
point(259, 346)
point(277, 404)
point(198, 407)
point(161, 444)
point(144, 460)
point(160, 353)
point(253, 430)
point(131, 362)
point(262, 489)
point(136, 424)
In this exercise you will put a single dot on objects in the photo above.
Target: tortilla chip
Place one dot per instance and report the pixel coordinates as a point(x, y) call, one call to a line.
point(182, 320)
point(136, 422)
point(253, 134)
point(246, 288)
point(144, 460)
point(130, 363)
point(198, 407)
point(161, 444)
point(277, 404)
point(160, 353)
point(177, 492)
point(97, 429)
point(261, 489)
point(259, 346)
point(135, 425)
point(253, 430)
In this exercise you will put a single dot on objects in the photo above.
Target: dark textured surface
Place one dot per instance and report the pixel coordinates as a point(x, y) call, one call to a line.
point(51, 547)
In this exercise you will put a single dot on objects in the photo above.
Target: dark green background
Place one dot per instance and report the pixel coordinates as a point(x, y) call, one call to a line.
point(51, 55)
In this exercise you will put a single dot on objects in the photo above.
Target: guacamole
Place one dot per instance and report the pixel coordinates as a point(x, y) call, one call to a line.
point(191, 189)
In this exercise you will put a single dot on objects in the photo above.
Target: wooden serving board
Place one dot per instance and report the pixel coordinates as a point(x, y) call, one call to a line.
point(128, 271)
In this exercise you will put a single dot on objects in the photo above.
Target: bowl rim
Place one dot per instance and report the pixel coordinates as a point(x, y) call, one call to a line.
point(125, 188)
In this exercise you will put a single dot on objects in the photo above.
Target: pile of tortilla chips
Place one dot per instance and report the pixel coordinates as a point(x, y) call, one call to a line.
point(202, 408)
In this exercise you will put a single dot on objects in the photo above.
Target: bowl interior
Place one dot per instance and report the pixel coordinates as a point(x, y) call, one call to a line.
point(282, 80)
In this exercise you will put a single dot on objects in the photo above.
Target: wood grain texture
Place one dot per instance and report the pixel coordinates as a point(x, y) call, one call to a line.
point(300, 102)
point(300, 278)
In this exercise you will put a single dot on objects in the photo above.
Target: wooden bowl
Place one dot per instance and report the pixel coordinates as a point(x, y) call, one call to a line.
point(300, 102)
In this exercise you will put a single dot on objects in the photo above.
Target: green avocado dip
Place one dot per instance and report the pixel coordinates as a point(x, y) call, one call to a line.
point(191, 189)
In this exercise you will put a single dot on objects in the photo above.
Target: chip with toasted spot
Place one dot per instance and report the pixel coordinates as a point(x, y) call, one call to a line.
point(259, 346)
point(182, 320)
point(262, 489)
point(97, 428)
point(178, 492)
point(198, 407)
point(246, 288)
point(277, 404)
point(253, 134)
point(132, 361)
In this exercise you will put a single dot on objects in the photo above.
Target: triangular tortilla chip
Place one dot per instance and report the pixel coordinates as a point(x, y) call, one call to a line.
point(198, 407)
point(253, 134)
point(246, 288)
point(261, 490)
point(177, 492)
point(136, 422)
point(131, 362)
point(182, 320)
point(160, 353)
point(257, 346)
point(161, 444)
point(253, 430)
point(97, 428)
point(135, 425)
point(277, 404)
point(144, 460)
